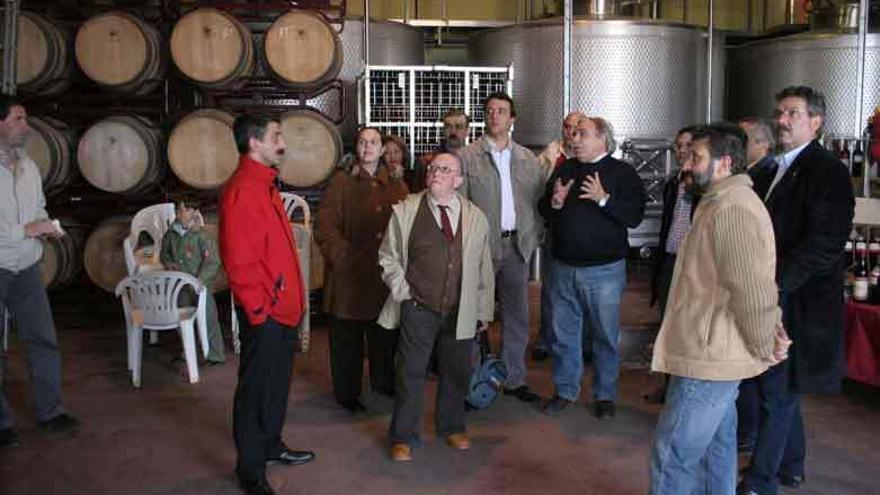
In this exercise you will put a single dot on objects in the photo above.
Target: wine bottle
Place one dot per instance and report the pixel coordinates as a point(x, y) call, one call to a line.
point(860, 271)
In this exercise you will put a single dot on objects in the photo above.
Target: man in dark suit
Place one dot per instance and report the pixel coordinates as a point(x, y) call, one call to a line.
point(810, 201)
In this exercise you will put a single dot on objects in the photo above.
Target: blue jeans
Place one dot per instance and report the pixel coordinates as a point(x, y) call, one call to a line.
point(694, 448)
point(578, 293)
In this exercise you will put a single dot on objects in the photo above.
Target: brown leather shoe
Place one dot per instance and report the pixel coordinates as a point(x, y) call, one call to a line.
point(400, 452)
point(458, 441)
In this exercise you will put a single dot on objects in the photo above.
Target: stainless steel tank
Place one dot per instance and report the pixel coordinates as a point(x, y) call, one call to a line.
point(647, 78)
point(391, 43)
point(827, 62)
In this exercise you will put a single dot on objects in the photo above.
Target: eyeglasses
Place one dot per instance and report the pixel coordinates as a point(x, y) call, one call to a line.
point(444, 170)
point(790, 113)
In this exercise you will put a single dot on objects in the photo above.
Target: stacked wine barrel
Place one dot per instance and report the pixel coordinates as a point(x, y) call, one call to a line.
point(127, 155)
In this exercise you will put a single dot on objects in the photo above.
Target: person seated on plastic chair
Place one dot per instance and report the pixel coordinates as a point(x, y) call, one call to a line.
point(185, 248)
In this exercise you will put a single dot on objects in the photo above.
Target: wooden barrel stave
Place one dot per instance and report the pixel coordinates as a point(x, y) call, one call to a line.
point(201, 148)
point(121, 154)
point(121, 52)
point(43, 61)
point(51, 147)
point(103, 258)
point(313, 148)
point(302, 50)
point(212, 48)
point(62, 257)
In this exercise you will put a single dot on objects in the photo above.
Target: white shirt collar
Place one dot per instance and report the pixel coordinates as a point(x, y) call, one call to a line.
point(786, 159)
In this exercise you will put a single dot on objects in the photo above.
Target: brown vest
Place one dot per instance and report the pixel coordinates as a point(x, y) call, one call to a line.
point(434, 265)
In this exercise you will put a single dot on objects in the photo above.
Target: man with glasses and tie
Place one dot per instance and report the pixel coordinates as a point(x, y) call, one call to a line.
point(810, 201)
point(436, 260)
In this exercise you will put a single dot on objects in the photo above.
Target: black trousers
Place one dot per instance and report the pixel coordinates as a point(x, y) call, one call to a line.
point(420, 328)
point(265, 369)
point(347, 358)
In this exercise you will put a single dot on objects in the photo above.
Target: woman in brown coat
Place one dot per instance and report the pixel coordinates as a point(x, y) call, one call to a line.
point(351, 223)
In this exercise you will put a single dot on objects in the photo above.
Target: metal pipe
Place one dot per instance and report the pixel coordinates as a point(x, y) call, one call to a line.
point(600, 7)
point(566, 59)
point(709, 49)
point(789, 11)
point(366, 33)
point(860, 92)
point(655, 9)
point(764, 14)
point(405, 7)
point(749, 16)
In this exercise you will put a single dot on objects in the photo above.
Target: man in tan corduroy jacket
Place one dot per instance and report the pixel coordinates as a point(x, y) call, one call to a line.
point(722, 322)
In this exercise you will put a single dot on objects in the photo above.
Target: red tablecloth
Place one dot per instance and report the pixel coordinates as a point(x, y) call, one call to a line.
point(863, 343)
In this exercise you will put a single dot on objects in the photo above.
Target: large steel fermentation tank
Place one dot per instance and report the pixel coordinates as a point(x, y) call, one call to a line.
point(825, 61)
point(647, 78)
point(391, 43)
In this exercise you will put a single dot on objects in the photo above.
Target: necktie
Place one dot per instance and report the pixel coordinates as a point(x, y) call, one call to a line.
point(445, 224)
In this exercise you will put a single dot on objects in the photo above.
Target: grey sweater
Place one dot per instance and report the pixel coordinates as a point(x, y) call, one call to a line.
point(21, 202)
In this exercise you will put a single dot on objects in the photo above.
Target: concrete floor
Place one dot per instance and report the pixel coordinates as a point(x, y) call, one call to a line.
point(171, 437)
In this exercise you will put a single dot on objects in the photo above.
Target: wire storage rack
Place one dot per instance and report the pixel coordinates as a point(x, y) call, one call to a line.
point(410, 101)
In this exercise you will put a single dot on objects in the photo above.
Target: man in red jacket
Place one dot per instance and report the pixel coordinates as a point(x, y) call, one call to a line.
point(259, 254)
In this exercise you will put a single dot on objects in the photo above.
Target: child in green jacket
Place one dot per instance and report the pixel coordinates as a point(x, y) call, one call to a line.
point(185, 248)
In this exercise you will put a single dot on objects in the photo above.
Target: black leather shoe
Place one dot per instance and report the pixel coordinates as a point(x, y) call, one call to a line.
point(63, 423)
point(604, 409)
point(258, 487)
point(791, 481)
point(556, 405)
point(8, 438)
point(523, 393)
point(292, 457)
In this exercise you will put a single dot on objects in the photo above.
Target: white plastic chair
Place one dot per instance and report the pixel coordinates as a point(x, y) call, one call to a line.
point(302, 235)
point(149, 301)
point(154, 220)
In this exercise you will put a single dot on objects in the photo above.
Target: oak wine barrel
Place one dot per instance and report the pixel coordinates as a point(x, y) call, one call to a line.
point(62, 257)
point(121, 52)
point(121, 154)
point(103, 258)
point(302, 50)
point(313, 148)
point(51, 146)
point(201, 148)
point(212, 48)
point(43, 60)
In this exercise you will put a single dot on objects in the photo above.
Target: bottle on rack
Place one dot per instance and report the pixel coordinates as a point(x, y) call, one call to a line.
point(873, 289)
point(843, 154)
point(874, 249)
point(858, 160)
point(848, 265)
point(860, 271)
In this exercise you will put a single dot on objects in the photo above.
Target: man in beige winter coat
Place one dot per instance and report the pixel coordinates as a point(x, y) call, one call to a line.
point(437, 262)
point(722, 322)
